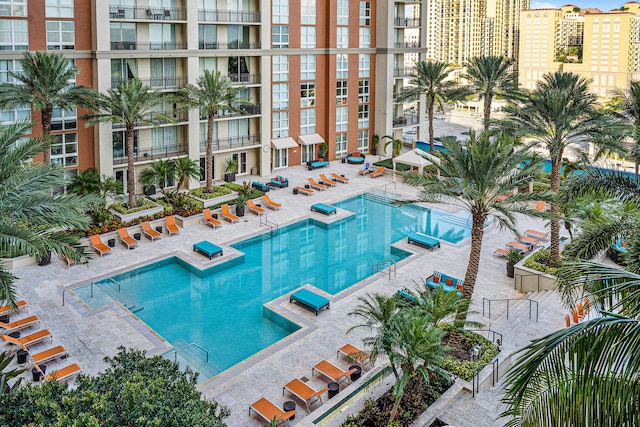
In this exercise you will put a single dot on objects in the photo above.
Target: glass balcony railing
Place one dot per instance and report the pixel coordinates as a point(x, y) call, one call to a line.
point(406, 22)
point(152, 153)
point(132, 45)
point(148, 13)
point(404, 72)
point(228, 45)
point(243, 16)
point(231, 142)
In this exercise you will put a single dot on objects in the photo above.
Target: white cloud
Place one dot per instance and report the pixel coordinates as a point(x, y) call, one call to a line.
point(542, 5)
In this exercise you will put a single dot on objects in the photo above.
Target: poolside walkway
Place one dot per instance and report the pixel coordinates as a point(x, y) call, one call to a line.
point(90, 336)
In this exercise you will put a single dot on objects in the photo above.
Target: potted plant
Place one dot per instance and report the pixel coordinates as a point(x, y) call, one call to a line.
point(230, 170)
point(513, 257)
point(243, 196)
point(324, 149)
point(375, 139)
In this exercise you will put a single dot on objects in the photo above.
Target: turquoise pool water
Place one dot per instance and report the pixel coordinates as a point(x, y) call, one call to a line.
point(221, 309)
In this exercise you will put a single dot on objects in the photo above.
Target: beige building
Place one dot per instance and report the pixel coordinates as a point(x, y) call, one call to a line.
point(601, 46)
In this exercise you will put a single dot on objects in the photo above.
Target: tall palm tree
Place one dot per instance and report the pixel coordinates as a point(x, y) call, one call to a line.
point(32, 214)
point(492, 76)
point(185, 170)
point(627, 108)
point(131, 103)
point(473, 178)
point(586, 374)
point(211, 93)
point(433, 79)
point(45, 84)
point(562, 114)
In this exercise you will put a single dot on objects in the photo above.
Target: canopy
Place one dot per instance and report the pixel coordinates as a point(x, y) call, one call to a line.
point(314, 138)
point(282, 143)
point(415, 157)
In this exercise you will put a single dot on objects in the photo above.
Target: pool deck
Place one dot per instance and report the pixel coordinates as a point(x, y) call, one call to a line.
point(90, 336)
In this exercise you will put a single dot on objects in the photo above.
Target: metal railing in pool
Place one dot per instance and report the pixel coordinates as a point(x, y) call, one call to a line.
point(64, 291)
point(387, 264)
point(175, 352)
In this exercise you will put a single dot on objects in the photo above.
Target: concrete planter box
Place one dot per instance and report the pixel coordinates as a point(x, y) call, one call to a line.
point(17, 262)
point(189, 221)
point(130, 217)
point(211, 202)
point(529, 280)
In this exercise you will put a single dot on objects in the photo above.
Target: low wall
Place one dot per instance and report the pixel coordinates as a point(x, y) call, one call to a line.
point(211, 202)
point(529, 280)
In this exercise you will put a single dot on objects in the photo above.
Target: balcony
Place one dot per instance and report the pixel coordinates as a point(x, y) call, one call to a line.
point(248, 109)
point(404, 96)
point(148, 13)
point(406, 22)
point(244, 78)
point(239, 16)
point(151, 153)
point(411, 45)
point(406, 120)
point(229, 45)
point(131, 45)
point(404, 72)
point(178, 117)
point(158, 82)
point(232, 142)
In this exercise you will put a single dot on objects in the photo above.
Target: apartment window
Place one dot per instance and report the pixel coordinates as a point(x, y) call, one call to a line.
point(123, 69)
point(13, 7)
point(18, 114)
point(238, 36)
point(308, 37)
point(363, 91)
point(279, 68)
point(341, 145)
point(308, 152)
point(241, 158)
point(7, 66)
point(363, 141)
point(342, 66)
point(210, 64)
point(64, 149)
point(123, 35)
point(364, 65)
point(363, 116)
point(64, 119)
point(308, 12)
point(119, 141)
point(307, 121)
point(207, 36)
point(162, 36)
point(343, 12)
point(60, 35)
point(280, 12)
point(14, 34)
point(342, 39)
point(203, 135)
point(307, 94)
point(164, 137)
point(365, 37)
point(164, 73)
point(341, 92)
point(365, 13)
point(279, 124)
point(342, 119)
point(280, 96)
point(279, 37)
point(280, 158)
point(59, 8)
point(307, 67)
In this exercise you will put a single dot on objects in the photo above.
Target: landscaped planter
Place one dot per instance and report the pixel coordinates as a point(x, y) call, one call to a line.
point(216, 200)
point(17, 262)
point(188, 221)
point(126, 218)
point(530, 280)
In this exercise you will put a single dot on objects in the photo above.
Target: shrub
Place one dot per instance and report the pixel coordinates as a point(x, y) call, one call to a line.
point(540, 261)
point(465, 369)
point(143, 204)
point(218, 190)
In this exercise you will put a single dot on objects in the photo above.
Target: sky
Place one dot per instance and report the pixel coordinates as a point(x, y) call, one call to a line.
point(603, 5)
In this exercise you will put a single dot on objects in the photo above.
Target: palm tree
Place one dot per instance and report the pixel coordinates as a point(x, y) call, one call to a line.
point(492, 76)
point(433, 80)
point(45, 83)
point(396, 145)
point(186, 169)
point(627, 108)
point(561, 114)
point(131, 103)
point(210, 94)
point(158, 173)
point(473, 178)
point(32, 214)
point(85, 182)
point(438, 305)
point(586, 374)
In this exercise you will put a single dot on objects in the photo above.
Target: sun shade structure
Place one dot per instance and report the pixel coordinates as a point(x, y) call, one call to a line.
point(282, 143)
point(417, 158)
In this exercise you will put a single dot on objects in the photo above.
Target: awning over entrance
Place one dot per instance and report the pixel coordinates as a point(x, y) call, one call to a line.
point(314, 138)
point(282, 143)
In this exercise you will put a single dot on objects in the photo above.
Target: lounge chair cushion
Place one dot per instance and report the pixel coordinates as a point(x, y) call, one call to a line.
point(322, 208)
point(207, 248)
point(310, 299)
point(317, 164)
point(423, 240)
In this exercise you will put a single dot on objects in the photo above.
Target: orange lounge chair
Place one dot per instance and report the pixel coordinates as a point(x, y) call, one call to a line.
point(327, 181)
point(5, 309)
point(268, 411)
point(574, 315)
point(303, 392)
point(541, 235)
point(302, 190)
point(27, 322)
point(62, 373)
point(170, 223)
point(519, 246)
point(352, 352)
point(377, 172)
point(541, 206)
point(255, 209)
point(316, 186)
point(528, 240)
point(567, 320)
point(97, 244)
point(126, 239)
point(226, 214)
point(270, 203)
point(28, 340)
point(209, 220)
point(150, 232)
point(502, 197)
point(330, 370)
point(49, 355)
point(580, 309)
point(501, 252)
point(342, 179)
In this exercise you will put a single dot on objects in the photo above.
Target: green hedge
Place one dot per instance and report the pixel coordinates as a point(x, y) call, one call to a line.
point(538, 261)
point(143, 204)
point(218, 190)
point(465, 369)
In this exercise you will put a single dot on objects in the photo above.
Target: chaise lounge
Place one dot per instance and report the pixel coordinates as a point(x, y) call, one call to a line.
point(341, 179)
point(28, 340)
point(170, 223)
point(377, 173)
point(322, 208)
point(268, 411)
point(303, 392)
point(330, 370)
point(353, 353)
point(209, 220)
point(5, 309)
point(310, 299)
point(423, 240)
point(316, 186)
point(150, 232)
point(18, 325)
point(126, 239)
point(301, 190)
point(254, 208)
point(270, 203)
point(98, 246)
point(208, 249)
point(324, 180)
point(49, 355)
point(226, 214)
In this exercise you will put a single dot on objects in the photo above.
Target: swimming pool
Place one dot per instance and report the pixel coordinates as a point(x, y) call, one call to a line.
point(221, 309)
